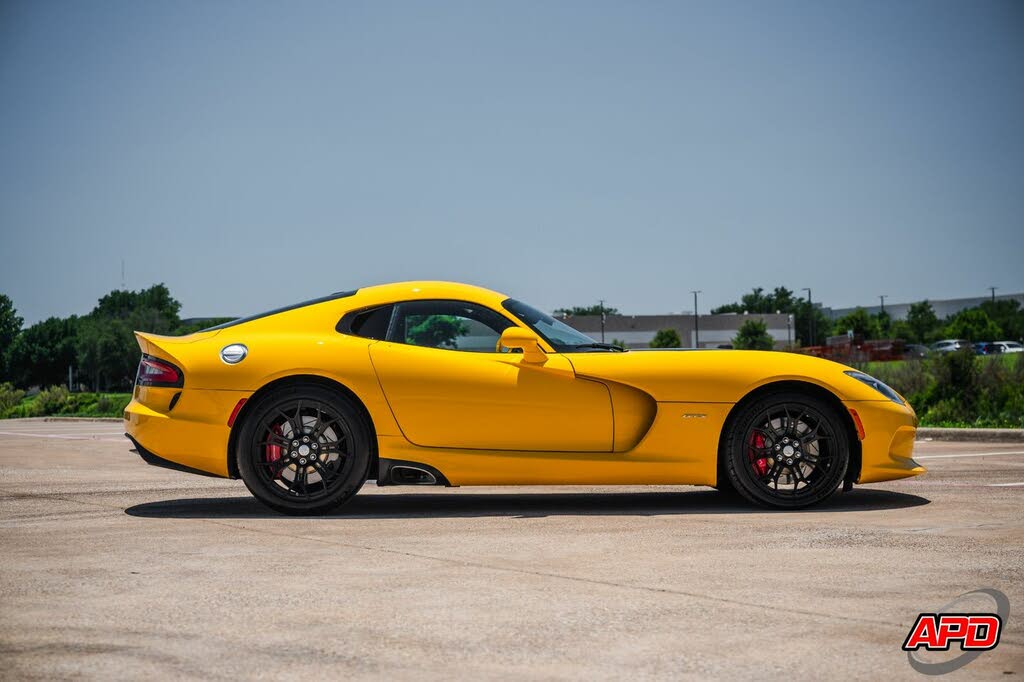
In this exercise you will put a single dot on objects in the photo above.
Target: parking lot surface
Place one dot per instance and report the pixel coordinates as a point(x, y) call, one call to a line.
point(114, 569)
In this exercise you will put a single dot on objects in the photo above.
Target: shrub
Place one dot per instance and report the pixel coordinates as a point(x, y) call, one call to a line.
point(49, 401)
point(753, 335)
point(79, 403)
point(666, 338)
point(104, 404)
point(9, 398)
point(960, 389)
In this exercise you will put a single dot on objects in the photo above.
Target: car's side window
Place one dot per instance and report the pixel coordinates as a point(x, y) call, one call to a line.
point(452, 325)
point(369, 324)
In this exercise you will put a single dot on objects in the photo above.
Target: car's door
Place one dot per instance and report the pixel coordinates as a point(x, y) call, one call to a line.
point(448, 386)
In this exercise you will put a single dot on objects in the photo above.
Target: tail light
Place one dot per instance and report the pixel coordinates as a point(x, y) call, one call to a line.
point(157, 372)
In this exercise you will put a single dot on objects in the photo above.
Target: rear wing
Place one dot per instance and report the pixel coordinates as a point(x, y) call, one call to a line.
point(158, 344)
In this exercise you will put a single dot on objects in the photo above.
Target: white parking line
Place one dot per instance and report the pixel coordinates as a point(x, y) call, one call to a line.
point(1003, 485)
point(971, 454)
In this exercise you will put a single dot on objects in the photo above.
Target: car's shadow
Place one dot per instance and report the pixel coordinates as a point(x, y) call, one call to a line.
point(536, 504)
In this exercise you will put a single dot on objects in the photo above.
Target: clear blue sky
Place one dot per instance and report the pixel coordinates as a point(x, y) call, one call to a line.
point(254, 154)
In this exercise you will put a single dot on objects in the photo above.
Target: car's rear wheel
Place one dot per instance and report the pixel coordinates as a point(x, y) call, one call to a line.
point(304, 450)
point(786, 450)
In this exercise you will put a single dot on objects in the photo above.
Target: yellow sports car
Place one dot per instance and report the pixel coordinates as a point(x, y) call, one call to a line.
point(436, 383)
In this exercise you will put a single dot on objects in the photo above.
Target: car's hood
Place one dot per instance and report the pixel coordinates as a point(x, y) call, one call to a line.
point(722, 376)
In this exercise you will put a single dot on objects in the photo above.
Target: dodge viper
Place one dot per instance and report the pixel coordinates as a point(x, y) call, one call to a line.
point(438, 383)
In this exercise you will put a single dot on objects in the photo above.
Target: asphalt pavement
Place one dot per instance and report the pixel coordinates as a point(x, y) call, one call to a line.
point(112, 569)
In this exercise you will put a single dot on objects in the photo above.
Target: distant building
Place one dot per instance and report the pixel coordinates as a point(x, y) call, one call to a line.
point(715, 330)
point(943, 308)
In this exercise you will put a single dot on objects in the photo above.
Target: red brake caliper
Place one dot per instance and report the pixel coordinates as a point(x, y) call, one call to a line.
point(274, 451)
point(760, 462)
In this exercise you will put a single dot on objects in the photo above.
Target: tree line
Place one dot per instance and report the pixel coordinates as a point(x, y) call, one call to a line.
point(1000, 320)
point(100, 347)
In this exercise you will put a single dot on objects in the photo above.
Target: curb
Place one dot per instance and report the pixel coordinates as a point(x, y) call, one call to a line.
point(972, 435)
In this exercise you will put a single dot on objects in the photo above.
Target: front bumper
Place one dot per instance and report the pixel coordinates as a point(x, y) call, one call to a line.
point(192, 433)
point(888, 446)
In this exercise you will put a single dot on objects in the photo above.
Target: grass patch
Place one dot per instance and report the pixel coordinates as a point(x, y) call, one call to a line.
point(959, 389)
point(56, 401)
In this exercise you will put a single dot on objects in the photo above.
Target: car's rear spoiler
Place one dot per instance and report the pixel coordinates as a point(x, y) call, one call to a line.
point(158, 344)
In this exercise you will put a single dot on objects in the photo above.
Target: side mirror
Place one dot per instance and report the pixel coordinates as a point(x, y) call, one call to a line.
point(524, 340)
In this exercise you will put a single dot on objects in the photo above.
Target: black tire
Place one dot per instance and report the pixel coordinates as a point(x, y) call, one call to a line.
point(786, 450)
point(304, 450)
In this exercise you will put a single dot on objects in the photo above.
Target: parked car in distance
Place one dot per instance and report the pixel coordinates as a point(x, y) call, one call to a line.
point(1009, 346)
point(949, 345)
point(986, 348)
point(915, 351)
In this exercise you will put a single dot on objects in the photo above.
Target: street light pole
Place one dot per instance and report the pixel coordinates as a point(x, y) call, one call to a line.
point(696, 320)
point(810, 317)
point(882, 297)
point(993, 290)
point(601, 304)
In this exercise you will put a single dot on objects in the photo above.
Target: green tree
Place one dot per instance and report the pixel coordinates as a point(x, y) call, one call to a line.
point(104, 354)
point(436, 331)
point(1008, 314)
point(41, 354)
point(957, 384)
point(923, 323)
point(160, 307)
point(781, 300)
point(859, 322)
point(753, 335)
point(580, 310)
point(620, 343)
point(10, 325)
point(972, 324)
point(900, 329)
point(666, 338)
point(106, 348)
point(883, 324)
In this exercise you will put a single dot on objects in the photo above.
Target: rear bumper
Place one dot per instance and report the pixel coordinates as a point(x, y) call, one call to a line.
point(888, 446)
point(193, 434)
point(157, 461)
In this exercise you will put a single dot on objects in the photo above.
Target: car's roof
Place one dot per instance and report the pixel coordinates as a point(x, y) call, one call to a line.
point(380, 294)
point(426, 289)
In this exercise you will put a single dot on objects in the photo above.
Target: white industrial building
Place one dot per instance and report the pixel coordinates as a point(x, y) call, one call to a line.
point(714, 330)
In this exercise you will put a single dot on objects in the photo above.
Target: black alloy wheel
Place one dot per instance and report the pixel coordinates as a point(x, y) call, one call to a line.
point(304, 450)
point(787, 450)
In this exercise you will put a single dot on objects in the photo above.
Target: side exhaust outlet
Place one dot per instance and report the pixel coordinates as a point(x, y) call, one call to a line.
point(398, 472)
point(404, 475)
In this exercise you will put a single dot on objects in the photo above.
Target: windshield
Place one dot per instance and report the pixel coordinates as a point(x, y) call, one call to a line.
point(561, 336)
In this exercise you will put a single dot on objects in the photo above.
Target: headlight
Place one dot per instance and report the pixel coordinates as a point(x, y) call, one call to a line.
point(877, 385)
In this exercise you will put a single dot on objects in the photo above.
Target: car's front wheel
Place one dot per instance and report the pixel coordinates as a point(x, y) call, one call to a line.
point(304, 450)
point(786, 450)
